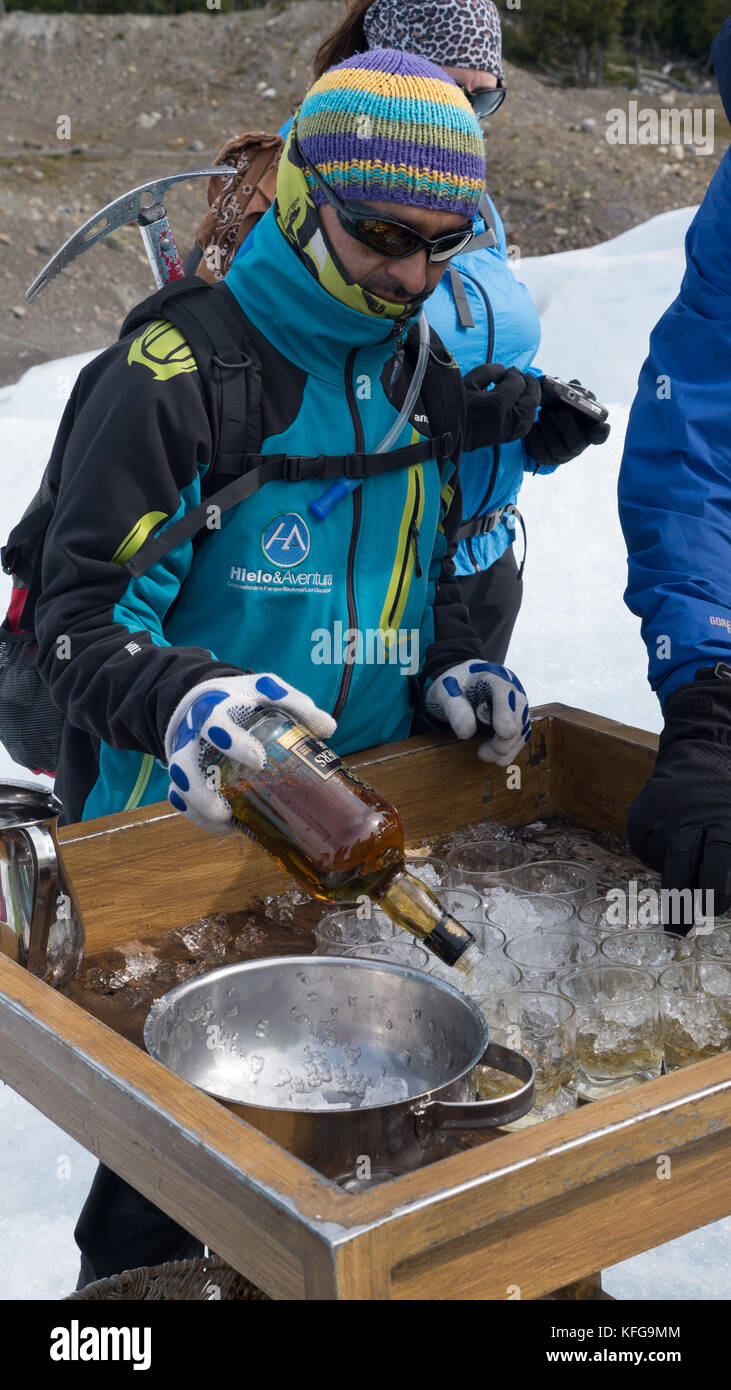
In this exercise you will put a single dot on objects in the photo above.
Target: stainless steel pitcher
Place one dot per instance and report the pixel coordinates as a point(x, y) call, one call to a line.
point(39, 926)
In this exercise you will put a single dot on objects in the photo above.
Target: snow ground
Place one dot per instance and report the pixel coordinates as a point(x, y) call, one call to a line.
point(575, 642)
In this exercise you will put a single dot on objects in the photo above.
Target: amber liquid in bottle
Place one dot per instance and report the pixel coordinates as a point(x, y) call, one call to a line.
point(332, 832)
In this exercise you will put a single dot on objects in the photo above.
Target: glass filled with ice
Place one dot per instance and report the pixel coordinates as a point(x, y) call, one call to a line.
point(544, 957)
point(482, 864)
point(337, 931)
point(543, 1027)
point(650, 950)
point(516, 914)
point(695, 1010)
point(618, 1032)
point(560, 878)
point(716, 945)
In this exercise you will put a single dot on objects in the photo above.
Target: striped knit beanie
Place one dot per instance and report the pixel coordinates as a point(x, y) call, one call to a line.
point(387, 126)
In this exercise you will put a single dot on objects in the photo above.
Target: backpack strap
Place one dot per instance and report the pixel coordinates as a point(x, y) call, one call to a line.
point(488, 238)
point(214, 328)
point(459, 294)
point(267, 468)
point(28, 528)
point(210, 320)
point(444, 398)
point(485, 240)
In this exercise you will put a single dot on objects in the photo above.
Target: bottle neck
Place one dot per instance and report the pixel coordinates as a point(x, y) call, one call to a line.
point(411, 905)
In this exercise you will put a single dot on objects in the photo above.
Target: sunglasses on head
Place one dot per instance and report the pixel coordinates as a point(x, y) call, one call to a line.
point(487, 101)
point(385, 234)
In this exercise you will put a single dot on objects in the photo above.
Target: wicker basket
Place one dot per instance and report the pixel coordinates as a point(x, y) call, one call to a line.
point(200, 1280)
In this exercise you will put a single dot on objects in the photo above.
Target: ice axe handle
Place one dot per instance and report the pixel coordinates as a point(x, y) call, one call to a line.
point(159, 243)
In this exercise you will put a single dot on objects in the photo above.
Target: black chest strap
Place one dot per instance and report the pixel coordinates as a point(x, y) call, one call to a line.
point(268, 468)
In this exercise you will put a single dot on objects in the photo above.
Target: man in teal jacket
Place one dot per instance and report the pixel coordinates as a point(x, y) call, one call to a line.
point(378, 187)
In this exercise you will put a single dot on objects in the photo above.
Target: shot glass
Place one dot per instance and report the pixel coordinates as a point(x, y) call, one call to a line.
point(473, 982)
point(337, 931)
point(493, 988)
point(649, 950)
point(695, 1010)
point(618, 1032)
point(543, 1027)
point(516, 914)
point(544, 957)
point(481, 864)
point(560, 878)
point(716, 945)
point(392, 953)
point(598, 918)
point(427, 867)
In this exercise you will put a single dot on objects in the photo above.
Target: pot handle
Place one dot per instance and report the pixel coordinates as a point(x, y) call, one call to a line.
point(484, 1114)
point(44, 865)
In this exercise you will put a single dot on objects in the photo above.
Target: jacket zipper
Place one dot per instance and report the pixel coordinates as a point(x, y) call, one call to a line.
point(357, 513)
point(496, 447)
point(412, 540)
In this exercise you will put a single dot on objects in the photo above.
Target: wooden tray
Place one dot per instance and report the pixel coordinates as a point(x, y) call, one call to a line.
point(518, 1217)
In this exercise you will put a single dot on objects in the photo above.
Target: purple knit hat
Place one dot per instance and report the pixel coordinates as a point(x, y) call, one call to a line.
point(388, 126)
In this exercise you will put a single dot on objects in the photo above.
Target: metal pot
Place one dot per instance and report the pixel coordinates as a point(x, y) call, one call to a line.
point(39, 926)
point(285, 1041)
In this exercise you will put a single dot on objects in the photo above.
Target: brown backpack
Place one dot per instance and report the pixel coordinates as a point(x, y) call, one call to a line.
point(236, 204)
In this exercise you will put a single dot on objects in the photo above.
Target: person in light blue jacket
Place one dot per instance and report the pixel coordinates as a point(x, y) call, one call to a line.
point(481, 311)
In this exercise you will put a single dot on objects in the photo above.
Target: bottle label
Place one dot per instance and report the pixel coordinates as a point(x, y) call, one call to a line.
point(311, 751)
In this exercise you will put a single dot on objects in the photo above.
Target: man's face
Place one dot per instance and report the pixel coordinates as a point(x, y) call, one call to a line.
point(397, 281)
point(471, 79)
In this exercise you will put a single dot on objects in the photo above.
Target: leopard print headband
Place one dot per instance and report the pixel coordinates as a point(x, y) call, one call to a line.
point(462, 33)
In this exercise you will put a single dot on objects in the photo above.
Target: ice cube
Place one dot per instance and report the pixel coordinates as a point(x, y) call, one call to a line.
point(427, 873)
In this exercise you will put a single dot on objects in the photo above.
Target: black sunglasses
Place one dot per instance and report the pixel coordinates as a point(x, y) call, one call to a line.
point(487, 101)
point(384, 234)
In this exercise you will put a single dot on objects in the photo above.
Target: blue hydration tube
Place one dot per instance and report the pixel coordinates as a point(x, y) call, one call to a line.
point(322, 506)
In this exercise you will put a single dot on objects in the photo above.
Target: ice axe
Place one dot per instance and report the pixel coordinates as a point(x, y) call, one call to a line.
point(143, 205)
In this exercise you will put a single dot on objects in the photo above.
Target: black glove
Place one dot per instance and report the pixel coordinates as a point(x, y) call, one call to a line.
point(504, 413)
point(561, 433)
point(680, 823)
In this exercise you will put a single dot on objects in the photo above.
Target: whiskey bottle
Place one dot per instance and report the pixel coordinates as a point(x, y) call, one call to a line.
point(336, 836)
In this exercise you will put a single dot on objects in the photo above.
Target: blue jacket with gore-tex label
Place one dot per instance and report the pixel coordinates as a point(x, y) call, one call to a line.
point(675, 480)
point(271, 587)
point(507, 330)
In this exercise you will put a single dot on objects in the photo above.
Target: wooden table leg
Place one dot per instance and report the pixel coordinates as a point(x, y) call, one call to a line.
point(588, 1288)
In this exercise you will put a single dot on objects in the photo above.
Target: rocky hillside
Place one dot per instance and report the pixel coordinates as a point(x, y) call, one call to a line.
point(148, 95)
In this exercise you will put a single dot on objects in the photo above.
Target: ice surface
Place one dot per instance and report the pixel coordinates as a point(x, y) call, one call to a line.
point(559, 650)
point(427, 873)
point(387, 1090)
point(511, 913)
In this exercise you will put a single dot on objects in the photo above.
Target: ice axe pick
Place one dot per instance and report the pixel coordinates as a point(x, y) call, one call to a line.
point(143, 205)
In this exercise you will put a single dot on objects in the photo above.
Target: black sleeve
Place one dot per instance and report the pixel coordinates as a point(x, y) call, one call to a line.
point(455, 640)
point(134, 457)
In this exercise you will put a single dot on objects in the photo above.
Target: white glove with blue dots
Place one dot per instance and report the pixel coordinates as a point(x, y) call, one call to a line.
point(481, 692)
point(211, 716)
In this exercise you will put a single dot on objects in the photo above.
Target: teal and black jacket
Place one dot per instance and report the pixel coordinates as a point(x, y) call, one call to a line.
point(270, 580)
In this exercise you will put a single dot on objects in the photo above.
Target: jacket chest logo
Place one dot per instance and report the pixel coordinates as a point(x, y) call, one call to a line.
point(285, 541)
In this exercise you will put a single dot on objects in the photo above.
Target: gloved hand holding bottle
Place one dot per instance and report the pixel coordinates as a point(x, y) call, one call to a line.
point(213, 715)
point(479, 692)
